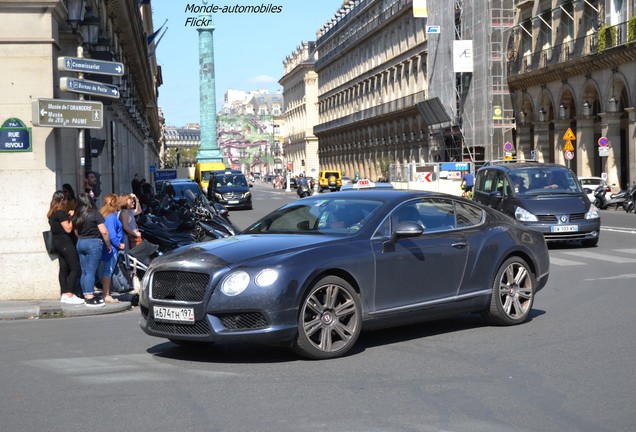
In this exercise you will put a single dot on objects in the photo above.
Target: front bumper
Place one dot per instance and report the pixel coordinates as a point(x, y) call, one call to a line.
point(250, 317)
point(585, 229)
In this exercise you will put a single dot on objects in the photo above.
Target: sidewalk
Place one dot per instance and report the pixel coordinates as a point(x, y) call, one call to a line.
point(35, 309)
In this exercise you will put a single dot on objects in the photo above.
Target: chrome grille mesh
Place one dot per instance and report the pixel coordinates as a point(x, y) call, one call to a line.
point(198, 328)
point(243, 321)
point(179, 286)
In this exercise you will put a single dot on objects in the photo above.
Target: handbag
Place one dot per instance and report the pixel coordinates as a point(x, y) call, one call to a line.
point(48, 241)
point(122, 280)
point(133, 241)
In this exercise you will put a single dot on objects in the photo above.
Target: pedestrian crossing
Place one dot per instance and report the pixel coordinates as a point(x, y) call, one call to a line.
point(118, 369)
point(585, 257)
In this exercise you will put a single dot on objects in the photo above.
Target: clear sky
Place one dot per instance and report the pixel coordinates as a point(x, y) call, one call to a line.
point(249, 49)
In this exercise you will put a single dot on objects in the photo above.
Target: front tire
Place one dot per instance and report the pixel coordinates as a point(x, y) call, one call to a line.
point(329, 320)
point(512, 293)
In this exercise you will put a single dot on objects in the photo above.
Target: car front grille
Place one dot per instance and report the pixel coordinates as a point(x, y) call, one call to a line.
point(554, 218)
point(232, 195)
point(179, 286)
point(243, 321)
point(199, 328)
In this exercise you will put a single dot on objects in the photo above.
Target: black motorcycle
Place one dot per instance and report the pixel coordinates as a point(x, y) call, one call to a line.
point(630, 202)
point(602, 202)
point(182, 222)
point(303, 191)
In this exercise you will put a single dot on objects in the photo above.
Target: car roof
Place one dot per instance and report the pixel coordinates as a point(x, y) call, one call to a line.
point(507, 167)
point(180, 180)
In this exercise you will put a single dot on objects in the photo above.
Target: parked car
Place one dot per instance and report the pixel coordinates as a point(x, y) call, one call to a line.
point(176, 189)
point(317, 271)
point(545, 197)
point(346, 180)
point(589, 184)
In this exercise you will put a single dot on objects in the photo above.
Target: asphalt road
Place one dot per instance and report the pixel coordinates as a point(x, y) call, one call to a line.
point(571, 368)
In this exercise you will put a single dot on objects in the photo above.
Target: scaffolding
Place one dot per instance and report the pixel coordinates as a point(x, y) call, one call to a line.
point(484, 107)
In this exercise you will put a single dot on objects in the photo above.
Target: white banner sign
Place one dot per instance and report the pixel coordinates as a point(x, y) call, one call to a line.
point(463, 56)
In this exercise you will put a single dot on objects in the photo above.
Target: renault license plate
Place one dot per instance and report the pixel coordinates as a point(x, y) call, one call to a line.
point(174, 314)
point(565, 228)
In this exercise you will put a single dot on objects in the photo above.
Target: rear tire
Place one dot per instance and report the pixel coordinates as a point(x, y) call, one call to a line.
point(512, 293)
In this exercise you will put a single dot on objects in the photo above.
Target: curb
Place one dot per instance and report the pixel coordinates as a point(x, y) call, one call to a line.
point(44, 309)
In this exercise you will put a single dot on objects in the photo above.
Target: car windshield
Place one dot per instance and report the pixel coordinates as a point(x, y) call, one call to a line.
point(229, 180)
point(183, 191)
point(323, 216)
point(536, 181)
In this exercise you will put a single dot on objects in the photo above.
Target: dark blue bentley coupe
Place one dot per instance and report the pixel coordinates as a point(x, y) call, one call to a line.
point(316, 272)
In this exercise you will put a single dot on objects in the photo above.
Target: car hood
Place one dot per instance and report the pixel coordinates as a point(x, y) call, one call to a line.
point(249, 248)
point(555, 204)
point(227, 189)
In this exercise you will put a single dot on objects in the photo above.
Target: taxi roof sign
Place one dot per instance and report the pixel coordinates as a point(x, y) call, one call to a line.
point(569, 135)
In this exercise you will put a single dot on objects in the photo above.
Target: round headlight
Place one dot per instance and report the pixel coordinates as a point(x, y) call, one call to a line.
point(266, 277)
point(235, 283)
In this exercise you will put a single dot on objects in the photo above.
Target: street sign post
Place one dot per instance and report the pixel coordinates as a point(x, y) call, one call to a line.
point(75, 64)
point(68, 113)
point(89, 87)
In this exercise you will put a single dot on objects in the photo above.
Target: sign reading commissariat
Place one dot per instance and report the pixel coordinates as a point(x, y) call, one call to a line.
point(76, 64)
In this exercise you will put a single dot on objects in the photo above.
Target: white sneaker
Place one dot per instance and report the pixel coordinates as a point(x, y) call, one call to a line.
point(71, 300)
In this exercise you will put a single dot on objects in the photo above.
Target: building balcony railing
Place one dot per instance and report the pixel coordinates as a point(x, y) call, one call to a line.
point(393, 106)
point(391, 9)
point(605, 39)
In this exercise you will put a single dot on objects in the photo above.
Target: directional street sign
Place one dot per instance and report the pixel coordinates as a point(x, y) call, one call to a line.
point(89, 87)
point(74, 64)
point(68, 113)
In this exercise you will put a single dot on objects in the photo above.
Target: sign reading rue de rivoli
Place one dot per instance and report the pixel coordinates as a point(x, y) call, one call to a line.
point(75, 64)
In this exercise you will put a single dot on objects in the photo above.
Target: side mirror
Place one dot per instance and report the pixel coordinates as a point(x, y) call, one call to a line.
point(406, 230)
point(402, 230)
point(496, 194)
point(587, 190)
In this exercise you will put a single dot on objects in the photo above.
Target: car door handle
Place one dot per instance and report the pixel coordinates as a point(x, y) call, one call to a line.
point(459, 245)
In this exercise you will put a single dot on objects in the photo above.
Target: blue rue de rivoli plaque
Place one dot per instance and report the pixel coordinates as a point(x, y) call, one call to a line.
point(15, 136)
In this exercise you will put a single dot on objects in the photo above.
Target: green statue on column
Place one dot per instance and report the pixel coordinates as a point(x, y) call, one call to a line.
point(209, 150)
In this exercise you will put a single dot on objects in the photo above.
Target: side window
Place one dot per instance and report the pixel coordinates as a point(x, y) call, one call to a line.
point(507, 186)
point(407, 213)
point(437, 214)
point(488, 181)
point(467, 215)
point(499, 182)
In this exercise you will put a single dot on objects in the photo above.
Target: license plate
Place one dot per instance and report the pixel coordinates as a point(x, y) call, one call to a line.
point(565, 228)
point(163, 313)
point(233, 202)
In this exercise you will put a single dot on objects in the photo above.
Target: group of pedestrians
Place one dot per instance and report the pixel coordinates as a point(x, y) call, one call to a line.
point(88, 242)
